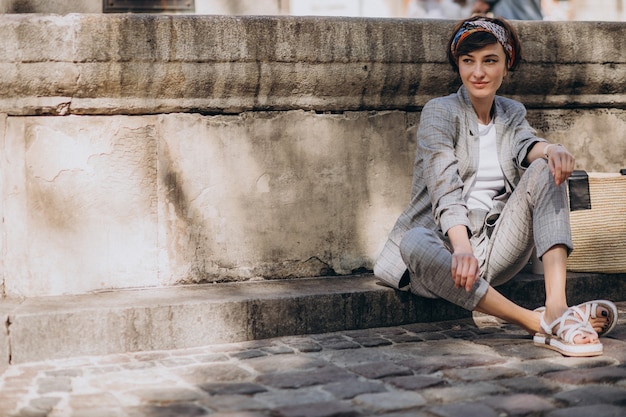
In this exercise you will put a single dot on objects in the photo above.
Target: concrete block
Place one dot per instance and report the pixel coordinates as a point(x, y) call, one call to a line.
point(38, 38)
point(80, 205)
point(289, 194)
point(191, 316)
point(51, 80)
point(561, 39)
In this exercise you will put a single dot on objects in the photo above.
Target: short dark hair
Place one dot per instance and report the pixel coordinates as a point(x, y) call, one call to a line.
point(478, 40)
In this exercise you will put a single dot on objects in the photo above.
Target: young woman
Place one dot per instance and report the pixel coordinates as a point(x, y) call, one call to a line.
point(485, 192)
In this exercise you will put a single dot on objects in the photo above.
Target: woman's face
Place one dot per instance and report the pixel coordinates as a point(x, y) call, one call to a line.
point(483, 70)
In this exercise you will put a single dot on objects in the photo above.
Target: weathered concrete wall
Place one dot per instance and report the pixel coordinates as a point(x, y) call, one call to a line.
point(143, 151)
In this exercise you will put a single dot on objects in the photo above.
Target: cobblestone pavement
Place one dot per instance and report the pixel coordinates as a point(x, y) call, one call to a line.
point(441, 369)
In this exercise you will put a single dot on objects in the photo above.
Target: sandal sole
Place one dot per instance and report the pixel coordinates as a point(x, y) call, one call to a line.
point(567, 349)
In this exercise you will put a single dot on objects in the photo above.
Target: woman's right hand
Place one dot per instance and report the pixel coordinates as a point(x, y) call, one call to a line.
point(560, 162)
point(465, 270)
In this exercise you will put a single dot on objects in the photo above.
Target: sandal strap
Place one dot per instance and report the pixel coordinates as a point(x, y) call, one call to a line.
point(576, 329)
point(591, 308)
point(542, 323)
point(590, 311)
point(577, 326)
point(594, 310)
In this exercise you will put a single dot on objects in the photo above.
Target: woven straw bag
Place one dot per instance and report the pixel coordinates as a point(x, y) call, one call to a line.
point(599, 234)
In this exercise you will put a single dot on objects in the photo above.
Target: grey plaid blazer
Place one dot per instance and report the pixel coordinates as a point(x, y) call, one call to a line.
point(445, 167)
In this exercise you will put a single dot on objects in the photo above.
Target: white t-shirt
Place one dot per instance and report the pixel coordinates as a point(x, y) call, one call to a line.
point(489, 180)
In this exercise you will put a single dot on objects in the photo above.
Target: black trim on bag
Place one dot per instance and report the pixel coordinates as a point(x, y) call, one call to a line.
point(579, 198)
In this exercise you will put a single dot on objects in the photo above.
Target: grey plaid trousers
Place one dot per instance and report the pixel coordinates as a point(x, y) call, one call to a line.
point(536, 215)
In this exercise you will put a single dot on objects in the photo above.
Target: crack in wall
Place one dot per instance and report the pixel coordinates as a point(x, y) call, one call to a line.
point(327, 269)
point(7, 327)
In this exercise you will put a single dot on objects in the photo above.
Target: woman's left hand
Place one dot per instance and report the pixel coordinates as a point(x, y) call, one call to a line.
point(560, 161)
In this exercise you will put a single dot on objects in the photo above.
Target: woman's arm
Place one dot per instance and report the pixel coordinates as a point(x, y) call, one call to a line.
point(439, 127)
point(439, 164)
point(527, 147)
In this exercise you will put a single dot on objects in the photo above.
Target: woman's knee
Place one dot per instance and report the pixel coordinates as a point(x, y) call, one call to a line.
point(418, 244)
point(541, 179)
point(539, 169)
point(414, 239)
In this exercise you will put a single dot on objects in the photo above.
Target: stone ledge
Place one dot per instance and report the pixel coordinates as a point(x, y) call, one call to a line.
point(182, 317)
point(145, 64)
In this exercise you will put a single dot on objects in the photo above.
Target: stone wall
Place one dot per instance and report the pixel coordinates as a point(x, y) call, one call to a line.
point(147, 151)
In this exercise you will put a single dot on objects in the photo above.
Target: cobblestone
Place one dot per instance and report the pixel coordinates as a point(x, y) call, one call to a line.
point(419, 370)
point(586, 411)
point(519, 404)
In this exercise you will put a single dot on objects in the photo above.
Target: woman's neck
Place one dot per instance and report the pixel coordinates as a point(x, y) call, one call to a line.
point(483, 109)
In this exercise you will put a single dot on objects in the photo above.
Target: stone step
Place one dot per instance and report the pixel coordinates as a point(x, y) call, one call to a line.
point(180, 317)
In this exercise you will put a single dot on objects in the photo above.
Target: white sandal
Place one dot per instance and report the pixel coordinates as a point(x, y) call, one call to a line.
point(589, 311)
point(563, 340)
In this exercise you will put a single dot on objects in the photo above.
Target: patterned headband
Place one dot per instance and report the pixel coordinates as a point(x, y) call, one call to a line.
point(496, 30)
